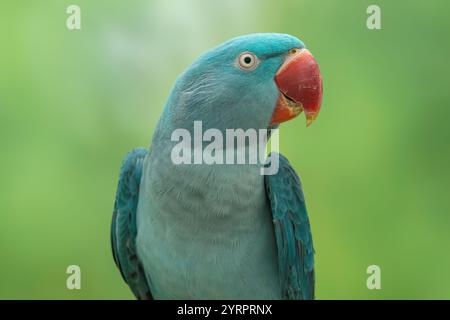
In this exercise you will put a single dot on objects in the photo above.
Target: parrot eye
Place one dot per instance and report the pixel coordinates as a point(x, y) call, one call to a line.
point(247, 61)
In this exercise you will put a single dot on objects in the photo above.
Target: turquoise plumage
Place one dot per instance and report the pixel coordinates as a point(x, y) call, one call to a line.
point(215, 231)
point(123, 226)
point(292, 232)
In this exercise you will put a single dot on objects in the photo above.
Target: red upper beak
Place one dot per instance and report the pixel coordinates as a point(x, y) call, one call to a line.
point(300, 85)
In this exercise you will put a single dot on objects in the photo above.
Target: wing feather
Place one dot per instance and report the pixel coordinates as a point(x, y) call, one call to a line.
point(123, 226)
point(292, 232)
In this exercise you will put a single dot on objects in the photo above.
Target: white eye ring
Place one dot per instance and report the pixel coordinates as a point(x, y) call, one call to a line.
point(247, 61)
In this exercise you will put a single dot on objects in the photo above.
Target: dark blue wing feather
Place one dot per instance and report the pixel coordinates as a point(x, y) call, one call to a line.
point(292, 232)
point(123, 227)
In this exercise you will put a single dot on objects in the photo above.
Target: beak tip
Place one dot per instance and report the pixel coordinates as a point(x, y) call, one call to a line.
point(310, 118)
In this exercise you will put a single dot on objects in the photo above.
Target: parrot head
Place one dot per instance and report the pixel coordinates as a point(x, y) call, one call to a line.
point(253, 81)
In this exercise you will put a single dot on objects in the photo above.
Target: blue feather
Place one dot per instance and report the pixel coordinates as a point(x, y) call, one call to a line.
point(123, 226)
point(292, 232)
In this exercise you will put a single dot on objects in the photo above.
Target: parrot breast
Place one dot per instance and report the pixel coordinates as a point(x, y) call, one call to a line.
point(209, 236)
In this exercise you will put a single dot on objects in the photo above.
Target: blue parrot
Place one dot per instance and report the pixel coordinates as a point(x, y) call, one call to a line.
point(210, 231)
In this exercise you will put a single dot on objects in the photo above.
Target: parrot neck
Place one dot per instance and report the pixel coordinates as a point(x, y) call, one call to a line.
point(192, 194)
point(206, 191)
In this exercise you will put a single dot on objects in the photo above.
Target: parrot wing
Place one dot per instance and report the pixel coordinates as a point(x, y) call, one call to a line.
point(123, 227)
point(292, 232)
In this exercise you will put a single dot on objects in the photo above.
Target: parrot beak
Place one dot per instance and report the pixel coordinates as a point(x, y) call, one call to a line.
point(300, 85)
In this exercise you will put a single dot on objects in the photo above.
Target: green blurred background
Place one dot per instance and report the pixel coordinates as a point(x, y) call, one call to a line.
point(374, 165)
